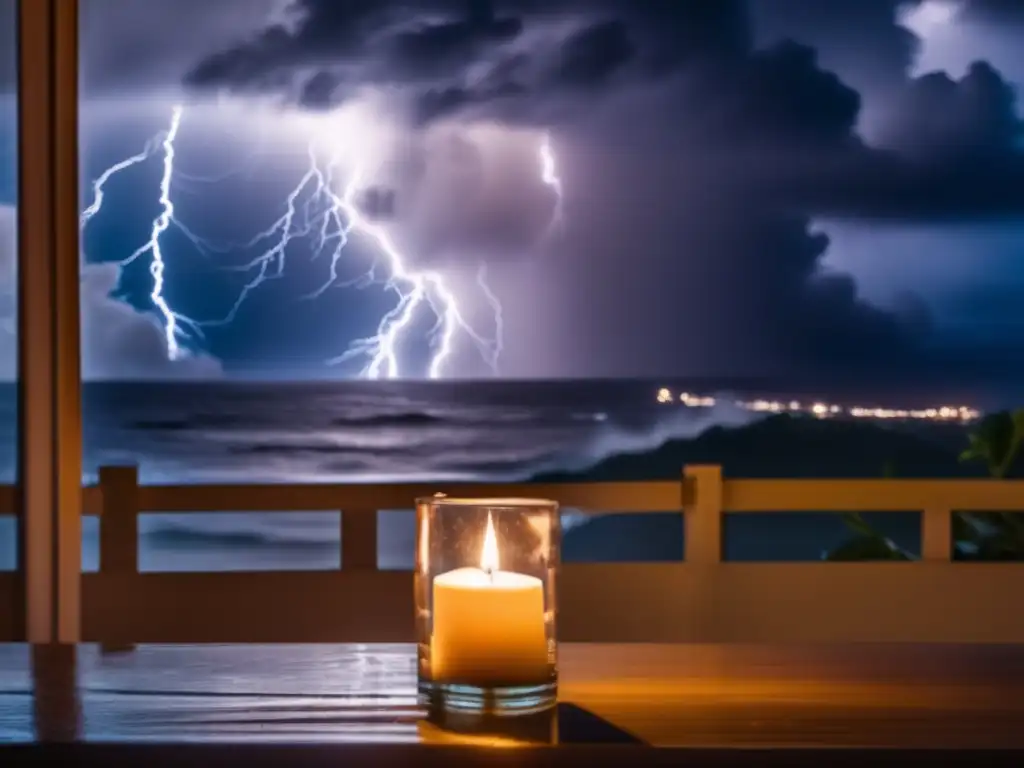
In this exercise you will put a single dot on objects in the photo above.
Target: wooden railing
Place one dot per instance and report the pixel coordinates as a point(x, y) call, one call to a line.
point(698, 599)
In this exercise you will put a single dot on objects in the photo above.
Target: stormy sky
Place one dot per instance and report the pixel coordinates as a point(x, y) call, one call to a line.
point(808, 191)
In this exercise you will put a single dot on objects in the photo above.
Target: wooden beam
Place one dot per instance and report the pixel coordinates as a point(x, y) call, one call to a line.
point(36, 465)
point(49, 467)
point(806, 495)
point(67, 342)
point(665, 496)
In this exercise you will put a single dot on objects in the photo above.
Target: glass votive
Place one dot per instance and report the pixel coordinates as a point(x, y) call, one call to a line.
point(485, 604)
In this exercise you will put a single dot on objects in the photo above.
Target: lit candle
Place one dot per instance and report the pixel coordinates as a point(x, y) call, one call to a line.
point(488, 624)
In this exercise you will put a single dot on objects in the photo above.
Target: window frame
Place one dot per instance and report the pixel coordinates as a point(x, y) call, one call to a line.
point(49, 386)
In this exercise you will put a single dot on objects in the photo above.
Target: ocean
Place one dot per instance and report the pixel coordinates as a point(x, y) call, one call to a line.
point(363, 432)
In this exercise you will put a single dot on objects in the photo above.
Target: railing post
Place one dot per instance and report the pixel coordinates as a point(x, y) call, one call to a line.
point(937, 535)
point(704, 515)
point(359, 539)
point(119, 520)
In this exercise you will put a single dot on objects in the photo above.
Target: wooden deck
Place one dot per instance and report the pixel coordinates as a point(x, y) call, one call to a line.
point(907, 696)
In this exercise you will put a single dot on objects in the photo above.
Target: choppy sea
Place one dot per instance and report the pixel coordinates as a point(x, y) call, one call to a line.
point(337, 432)
point(343, 432)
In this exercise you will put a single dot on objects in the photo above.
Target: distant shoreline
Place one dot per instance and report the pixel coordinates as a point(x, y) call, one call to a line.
point(787, 445)
point(821, 408)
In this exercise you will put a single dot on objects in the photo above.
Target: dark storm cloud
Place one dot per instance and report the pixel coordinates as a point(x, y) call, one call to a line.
point(751, 135)
point(993, 11)
point(318, 92)
point(941, 119)
point(697, 194)
point(727, 292)
point(946, 149)
point(861, 41)
point(8, 52)
point(438, 48)
point(386, 42)
point(136, 44)
point(773, 100)
point(592, 55)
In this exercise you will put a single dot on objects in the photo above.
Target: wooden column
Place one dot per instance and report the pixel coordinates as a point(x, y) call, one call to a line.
point(49, 378)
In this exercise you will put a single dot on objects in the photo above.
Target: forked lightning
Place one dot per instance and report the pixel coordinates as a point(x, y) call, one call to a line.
point(316, 213)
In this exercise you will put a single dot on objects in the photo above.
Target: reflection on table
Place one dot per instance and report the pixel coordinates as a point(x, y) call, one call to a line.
point(864, 695)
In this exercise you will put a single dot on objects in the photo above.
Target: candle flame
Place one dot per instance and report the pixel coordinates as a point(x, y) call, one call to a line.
point(489, 556)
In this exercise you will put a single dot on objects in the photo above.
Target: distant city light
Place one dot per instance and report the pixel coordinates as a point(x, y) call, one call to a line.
point(958, 413)
point(695, 401)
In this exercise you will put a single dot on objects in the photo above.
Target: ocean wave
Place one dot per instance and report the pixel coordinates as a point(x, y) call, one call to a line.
point(302, 435)
point(473, 446)
point(598, 416)
point(289, 449)
point(361, 418)
point(193, 422)
point(411, 419)
point(613, 438)
point(245, 536)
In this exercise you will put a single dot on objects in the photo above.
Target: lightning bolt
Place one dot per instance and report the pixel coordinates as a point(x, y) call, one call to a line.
point(293, 224)
point(316, 213)
point(498, 312)
point(175, 325)
point(160, 225)
point(98, 185)
point(415, 291)
point(549, 175)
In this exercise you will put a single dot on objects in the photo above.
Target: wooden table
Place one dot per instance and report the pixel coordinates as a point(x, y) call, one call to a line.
point(907, 696)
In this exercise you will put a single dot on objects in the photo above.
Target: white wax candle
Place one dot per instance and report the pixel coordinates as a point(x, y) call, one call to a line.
point(488, 624)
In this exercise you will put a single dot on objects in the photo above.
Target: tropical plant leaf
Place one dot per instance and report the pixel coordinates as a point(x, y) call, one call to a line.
point(856, 523)
point(1000, 548)
point(972, 452)
point(861, 528)
point(1012, 523)
point(966, 528)
point(996, 440)
point(866, 548)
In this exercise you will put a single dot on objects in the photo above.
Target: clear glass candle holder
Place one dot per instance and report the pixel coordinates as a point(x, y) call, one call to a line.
point(485, 604)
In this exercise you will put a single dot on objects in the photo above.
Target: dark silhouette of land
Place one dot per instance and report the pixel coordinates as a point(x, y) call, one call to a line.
point(786, 446)
point(782, 446)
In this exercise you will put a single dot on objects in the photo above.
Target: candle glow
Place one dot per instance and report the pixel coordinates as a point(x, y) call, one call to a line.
point(489, 553)
point(489, 626)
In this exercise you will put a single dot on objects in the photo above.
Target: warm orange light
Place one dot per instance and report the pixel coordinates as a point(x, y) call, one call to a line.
point(432, 734)
point(489, 556)
point(424, 553)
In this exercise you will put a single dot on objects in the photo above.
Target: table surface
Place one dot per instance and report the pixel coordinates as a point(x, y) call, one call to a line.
point(672, 695)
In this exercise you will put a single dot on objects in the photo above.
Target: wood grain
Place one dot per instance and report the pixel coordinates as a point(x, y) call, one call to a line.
point(671, 695)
